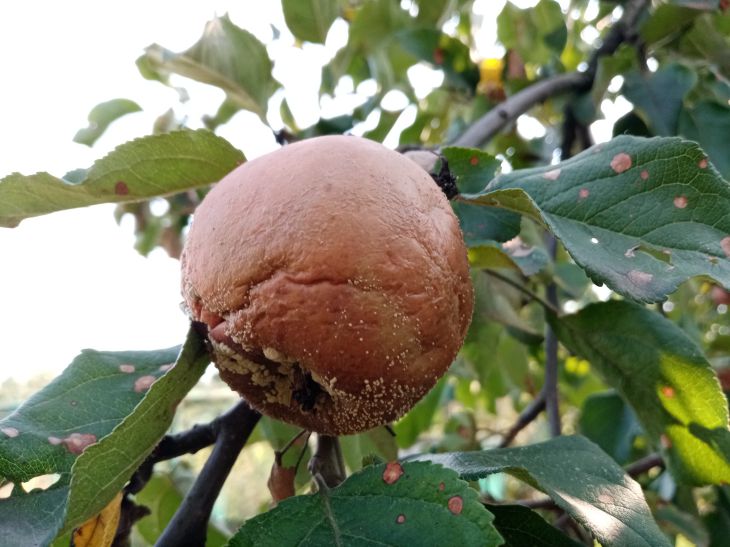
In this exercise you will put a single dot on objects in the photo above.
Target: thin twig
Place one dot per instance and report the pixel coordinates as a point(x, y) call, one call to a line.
point(294, 439)
point(526, 417)
point(173, 446)
point(533, 295)
point(486, 127)
point(190, 523)
point(644, 464)
point(542, 503)
point(493, 121)
point(550, 388)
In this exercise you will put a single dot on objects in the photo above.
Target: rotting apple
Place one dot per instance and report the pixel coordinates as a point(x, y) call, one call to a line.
point(332, 278)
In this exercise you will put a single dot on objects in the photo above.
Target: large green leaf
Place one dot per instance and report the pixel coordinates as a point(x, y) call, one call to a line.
point(659, 95)
point(665, 378)
point(227, 57)
point(104, 468)
point(387, 504)
point(310, 19)
point(140, 169)
point(579, 477)
point(640, 215)
point(102, 406)
point(101, 116)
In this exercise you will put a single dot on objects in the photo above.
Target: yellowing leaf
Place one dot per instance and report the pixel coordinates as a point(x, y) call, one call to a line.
point(99, 531)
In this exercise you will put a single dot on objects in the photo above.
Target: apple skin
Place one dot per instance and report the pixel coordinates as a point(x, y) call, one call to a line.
point(333, 280)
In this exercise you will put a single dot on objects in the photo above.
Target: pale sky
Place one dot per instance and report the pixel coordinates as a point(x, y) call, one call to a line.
point(72, 280)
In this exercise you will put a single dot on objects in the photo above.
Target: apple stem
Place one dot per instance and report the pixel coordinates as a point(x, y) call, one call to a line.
point(327, 461)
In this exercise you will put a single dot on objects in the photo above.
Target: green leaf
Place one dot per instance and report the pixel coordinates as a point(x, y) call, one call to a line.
point(708, 42)
point(497, 301)
point(379, 506)
point(667, 20)
point(86, 404)
point(101, 116)
point(538, 34)
point(579, 477)
point(374, 24)
point(666, 379)
point(378, 443)
point(163, 498)
point(32, 519)
point(310, 19)
point(698, 4)
point(520, 527)
point(420, 417)
point(440, 49)
point(474, 169)
point(385, 124)
point(659, 95)
point(140, 169)
point(631, 124)
point(679, 522)
point(640, 215)
point(708, 123)
point(514, 255)
point(498, 360)
point(227, 57)
point(431, 12)
point(104, 468)
point(610, 423)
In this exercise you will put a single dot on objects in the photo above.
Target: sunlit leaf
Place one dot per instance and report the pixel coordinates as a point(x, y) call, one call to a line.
point(310, 19)
point(140, 169)
point(579, 477)
point(227, 57)
point(666, 379)
point(101, 116)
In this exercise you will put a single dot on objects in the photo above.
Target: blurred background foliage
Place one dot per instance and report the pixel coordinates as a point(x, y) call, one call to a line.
point(412, 74)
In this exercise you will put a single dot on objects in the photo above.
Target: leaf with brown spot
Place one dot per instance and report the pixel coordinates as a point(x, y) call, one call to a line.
point(665, 378)
point(99, 405)
point(654, 197)
point(99, 531)
point(155, 165)
point(365, 509)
